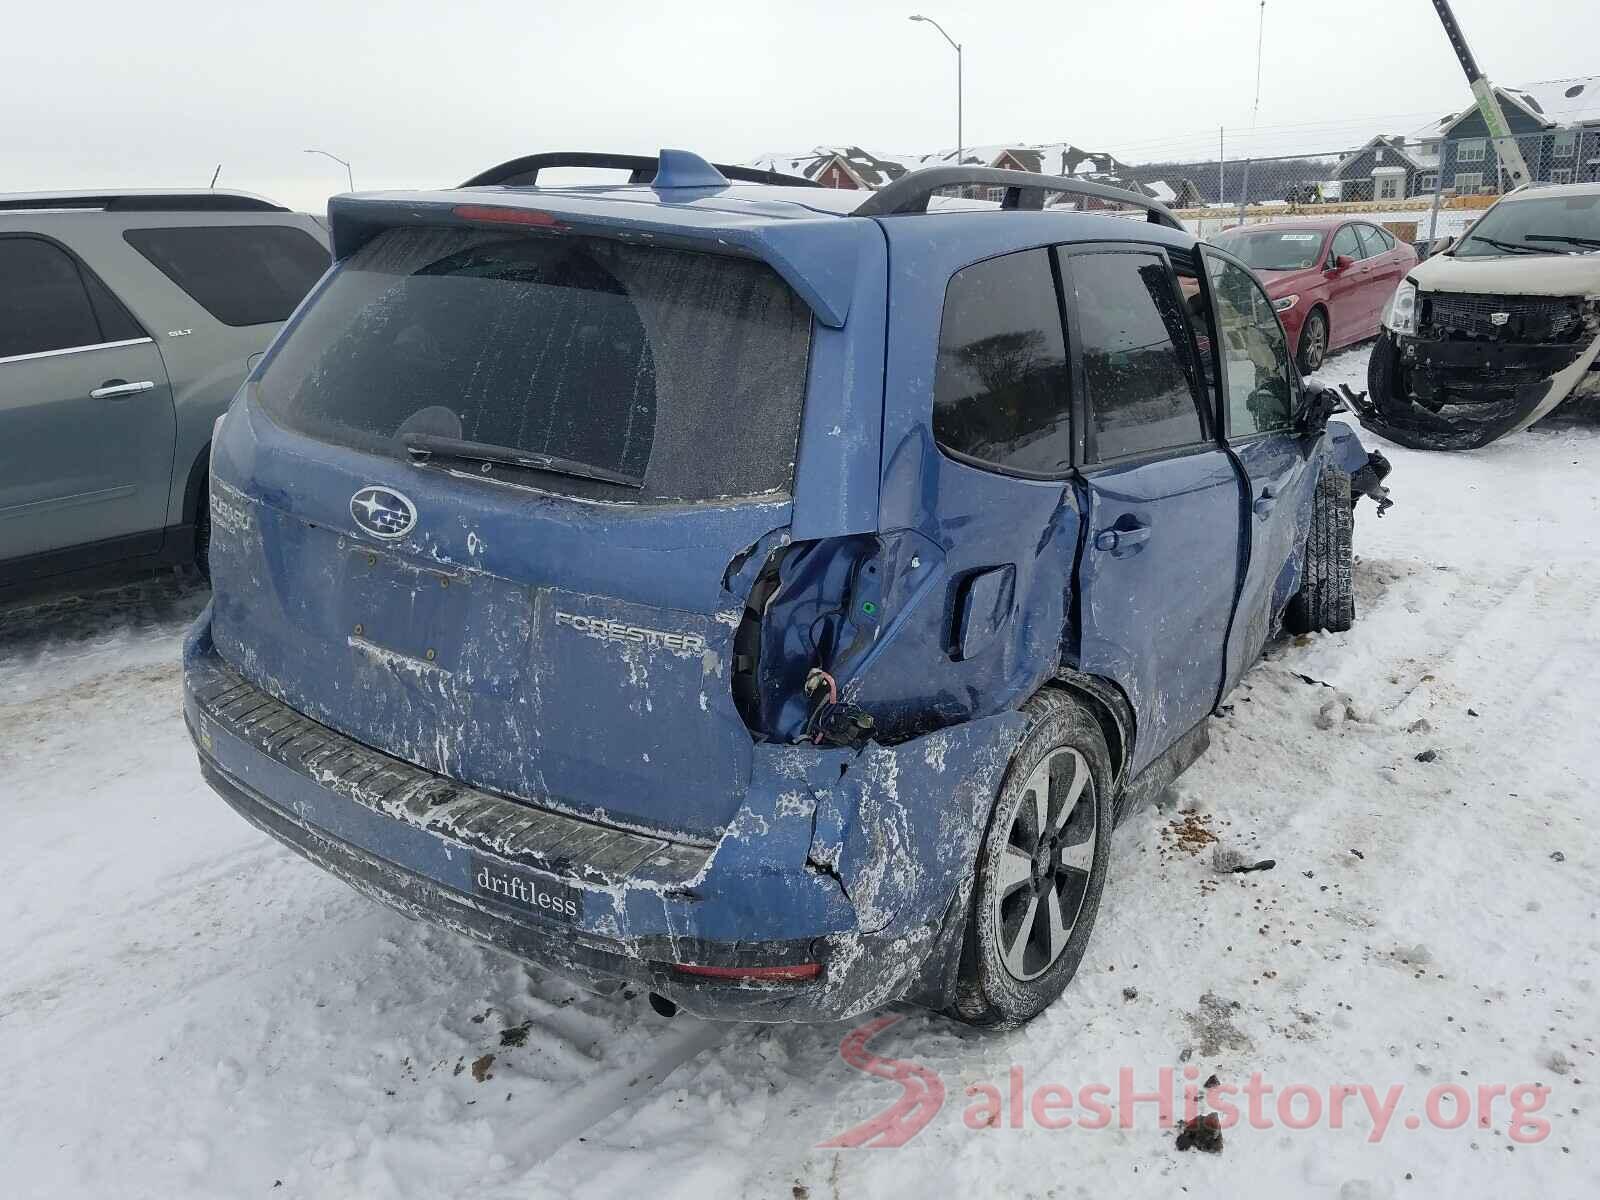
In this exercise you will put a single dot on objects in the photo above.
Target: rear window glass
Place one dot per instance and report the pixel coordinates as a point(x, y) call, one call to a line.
point(1372, 240)
point(1001, 394)
point(1130, 328)
point(680, 373)
point(240, 274)
point(43, 304)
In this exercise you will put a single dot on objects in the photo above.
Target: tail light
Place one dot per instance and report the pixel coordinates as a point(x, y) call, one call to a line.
point(498, 214)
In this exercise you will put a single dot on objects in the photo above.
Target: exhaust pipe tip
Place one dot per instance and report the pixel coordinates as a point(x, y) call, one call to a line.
point(663, 1006)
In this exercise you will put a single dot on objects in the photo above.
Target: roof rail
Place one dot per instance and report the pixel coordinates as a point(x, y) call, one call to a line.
point(141, 201)
point(524, 171)
point(1024, 190)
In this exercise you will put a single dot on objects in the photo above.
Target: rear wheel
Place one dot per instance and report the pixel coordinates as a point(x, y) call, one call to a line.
point(1041, 869)
point(1313, 342)
point(1326, 599)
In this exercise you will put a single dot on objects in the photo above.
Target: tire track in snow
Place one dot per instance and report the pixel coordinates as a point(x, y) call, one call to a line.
point(1512, 638)
point(609, 1094)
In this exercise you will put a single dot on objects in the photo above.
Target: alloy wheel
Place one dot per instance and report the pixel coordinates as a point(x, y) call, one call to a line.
point(1043, 872)
point(1316, 344)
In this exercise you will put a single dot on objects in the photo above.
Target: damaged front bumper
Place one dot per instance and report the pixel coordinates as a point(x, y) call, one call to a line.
point(1462, 395)
point(856, 860)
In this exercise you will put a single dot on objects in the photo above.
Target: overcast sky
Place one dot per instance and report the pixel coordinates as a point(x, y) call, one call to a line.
point(100, 94)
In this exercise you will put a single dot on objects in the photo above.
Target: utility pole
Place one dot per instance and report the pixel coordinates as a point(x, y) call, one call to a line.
point(348, 173)
point(960, 145)
point(1222, 159)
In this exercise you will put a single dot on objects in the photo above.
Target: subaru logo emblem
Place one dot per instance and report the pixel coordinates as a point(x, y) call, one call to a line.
point(1499, 318)
point(383, 512)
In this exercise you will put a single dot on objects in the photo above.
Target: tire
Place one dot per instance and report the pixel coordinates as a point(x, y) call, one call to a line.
point(1017, 956)
point(1313, 349)
point(1381, 372)
point(1326, 599)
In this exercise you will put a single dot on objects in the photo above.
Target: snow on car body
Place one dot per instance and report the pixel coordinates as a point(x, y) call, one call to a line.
point(748, 594)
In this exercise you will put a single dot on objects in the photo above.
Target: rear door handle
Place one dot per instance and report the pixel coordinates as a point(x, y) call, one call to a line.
point(1122, 542)
point(113, 389)
point(1264, 506)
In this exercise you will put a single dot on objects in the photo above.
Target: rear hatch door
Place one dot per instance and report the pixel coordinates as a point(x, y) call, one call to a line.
point(476, 509)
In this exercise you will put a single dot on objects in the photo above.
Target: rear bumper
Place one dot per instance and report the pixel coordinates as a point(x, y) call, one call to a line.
point(799, 877)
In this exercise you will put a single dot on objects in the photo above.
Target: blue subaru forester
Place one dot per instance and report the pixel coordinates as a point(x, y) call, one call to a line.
point(767, 597)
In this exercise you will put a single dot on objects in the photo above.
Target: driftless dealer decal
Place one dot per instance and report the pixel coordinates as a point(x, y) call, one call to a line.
point(529, 892)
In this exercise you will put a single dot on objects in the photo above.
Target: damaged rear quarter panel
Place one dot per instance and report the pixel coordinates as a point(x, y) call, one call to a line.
point(902, 825)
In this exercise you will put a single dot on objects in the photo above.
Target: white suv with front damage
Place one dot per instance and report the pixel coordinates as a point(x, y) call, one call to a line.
point(1496, 332)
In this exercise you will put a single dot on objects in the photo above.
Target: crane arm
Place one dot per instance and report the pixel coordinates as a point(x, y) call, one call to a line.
point(1505, 145)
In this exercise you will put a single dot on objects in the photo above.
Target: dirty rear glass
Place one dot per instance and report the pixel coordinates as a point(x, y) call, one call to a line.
point(682, 372)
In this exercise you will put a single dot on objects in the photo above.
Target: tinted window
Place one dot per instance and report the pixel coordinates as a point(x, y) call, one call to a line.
point(116, 322)
point(1130, 327)
point(1346, 244)
point(1371, 241)
point(240, 274)
point(1000, 393)
point(1201, 325)
point(1255, 354)
point(683, 372)
point(44, 303)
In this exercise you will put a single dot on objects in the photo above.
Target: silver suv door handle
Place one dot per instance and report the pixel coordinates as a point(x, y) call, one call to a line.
point(113, 388)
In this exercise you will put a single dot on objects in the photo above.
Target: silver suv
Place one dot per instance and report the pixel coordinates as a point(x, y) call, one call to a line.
point(127, 322)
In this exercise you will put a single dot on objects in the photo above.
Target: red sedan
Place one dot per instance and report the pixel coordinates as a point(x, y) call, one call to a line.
point(1328, 279)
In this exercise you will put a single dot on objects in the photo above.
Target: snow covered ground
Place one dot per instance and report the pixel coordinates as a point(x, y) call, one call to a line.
point(188, 1010)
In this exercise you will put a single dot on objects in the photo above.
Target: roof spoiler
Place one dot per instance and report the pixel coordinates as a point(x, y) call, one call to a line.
point(1024, 190)
point(817, 257)
point(672, 168)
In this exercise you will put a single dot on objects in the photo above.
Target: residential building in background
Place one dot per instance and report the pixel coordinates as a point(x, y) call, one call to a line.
point(1557, 123)
point(852, 167)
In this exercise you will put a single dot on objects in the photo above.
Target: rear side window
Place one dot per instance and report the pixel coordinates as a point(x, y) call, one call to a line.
point(1129, 327)
point(1000, 393)
point(672, 375)
point(1372, 243)
point(240, 274)
point(48, 301)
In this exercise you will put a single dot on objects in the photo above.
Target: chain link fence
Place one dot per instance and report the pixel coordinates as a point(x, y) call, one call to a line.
point(1419, 190)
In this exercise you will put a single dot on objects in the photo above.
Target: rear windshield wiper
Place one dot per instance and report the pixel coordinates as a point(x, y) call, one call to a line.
point(1593, 243)
point(423, 446)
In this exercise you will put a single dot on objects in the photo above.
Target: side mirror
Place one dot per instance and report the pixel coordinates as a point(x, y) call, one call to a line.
point(1317, 404)
point(1319, 401)
point(1341, 262)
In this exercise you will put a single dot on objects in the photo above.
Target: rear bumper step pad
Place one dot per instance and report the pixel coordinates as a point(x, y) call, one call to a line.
point(554, 843)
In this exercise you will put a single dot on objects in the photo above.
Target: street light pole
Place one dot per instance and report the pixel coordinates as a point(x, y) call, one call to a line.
point(957, 47)
point(348, 173)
